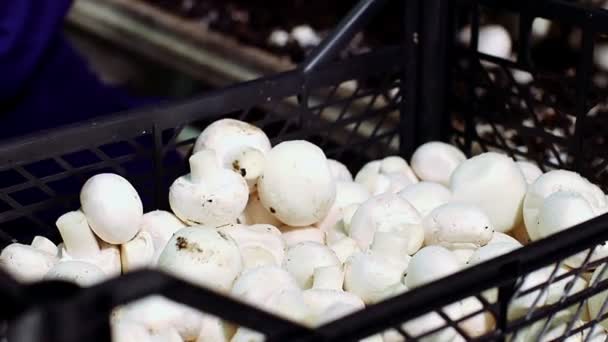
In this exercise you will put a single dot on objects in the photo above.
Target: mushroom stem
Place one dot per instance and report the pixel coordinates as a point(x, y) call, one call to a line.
point(389, 245)
point(203, 165)
point(328, 277)
point(78, 238)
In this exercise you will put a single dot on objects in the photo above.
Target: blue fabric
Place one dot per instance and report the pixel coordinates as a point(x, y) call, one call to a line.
point(43, 81)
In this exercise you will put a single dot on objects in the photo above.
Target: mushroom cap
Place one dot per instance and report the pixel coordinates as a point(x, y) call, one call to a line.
point(261, 236)
point(257, 285)
point(79, 272)
point(108, 259)
point(160, 225)
point(431, 321)
point(247, 335)
point(45, 245)
point(390, 174)
point(344, 248)
point(492, 250)
point(499, 237)
point(386, 213)
point(553, 181)
point(435, 161)
point(337, 311)
point(562, 210)
point(320, 300)
point(297, 186)
point(112, 207)
point(425, 196)
point(202, 255)
point(339, 171)
point(369, 275)
point(256, 256)
point(229, 137)
point(456, 226)
point(127, 331)
point(294, 235)
point(219, 198)
point(302, 259)
point(26, 263)
point(495, 183)
point(429, 264)
point(530, 170)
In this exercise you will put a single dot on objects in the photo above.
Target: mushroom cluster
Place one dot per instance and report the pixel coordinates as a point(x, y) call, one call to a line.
point(290, 231)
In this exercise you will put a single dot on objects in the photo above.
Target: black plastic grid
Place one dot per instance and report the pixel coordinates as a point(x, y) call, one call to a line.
point(377, 104)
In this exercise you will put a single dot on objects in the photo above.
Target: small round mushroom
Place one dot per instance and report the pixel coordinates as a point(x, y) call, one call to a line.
point(204, 256)
point(458, 227)
point(554, 181)
point(44, 244)
point(297, 186)
point(425, 196)
point(79, 272)
point(137, 253)
point(429, 264)
point(387, 213)
point(26, 263)
point(160, 225)
point(435, 161)
point(112, 207)
point(530, 170)
point(239, 146)
point(390, 174)
point(562, 210)
point(262, 236)
point(302, 259)
point(294, 235)
point(371, 274)
point(339, 171)
point(495, 183)
point(209, 194)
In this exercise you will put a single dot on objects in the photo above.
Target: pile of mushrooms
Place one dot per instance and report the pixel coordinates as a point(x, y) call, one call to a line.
point(290, 231)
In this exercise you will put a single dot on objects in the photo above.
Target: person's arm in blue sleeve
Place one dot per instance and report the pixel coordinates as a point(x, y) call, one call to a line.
point(44, 83)
point(27, 29)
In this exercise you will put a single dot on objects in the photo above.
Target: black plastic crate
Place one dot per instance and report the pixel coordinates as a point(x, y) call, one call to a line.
point(424, 87)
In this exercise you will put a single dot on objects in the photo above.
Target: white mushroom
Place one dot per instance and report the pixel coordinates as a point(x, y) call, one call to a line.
point(495, 183)
point(158, 314)
point(214, 330)
point(459, 227)
point(204, 256)
point(499, 237)
point(339, 171)
point(112, 207)
point(255, 213)
point(596, 302)
point(247, 335)
point(562, 210)
point(129, 331)
point(209, 194)
point(479, 324)
point(238, 145)
point(79, 272)
point(302, 259)
point(137, 253)
point(425, 196)
point(26, 263)
point(554, 181)
point(530, 170)
point(252, 238)
point(429, 264)
point(294, 235)
point(297, 186)
point(371, 274)
point(435, 161)
point(45, 245)
point(160, 225)
point(390, 174)
point(387, 213)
